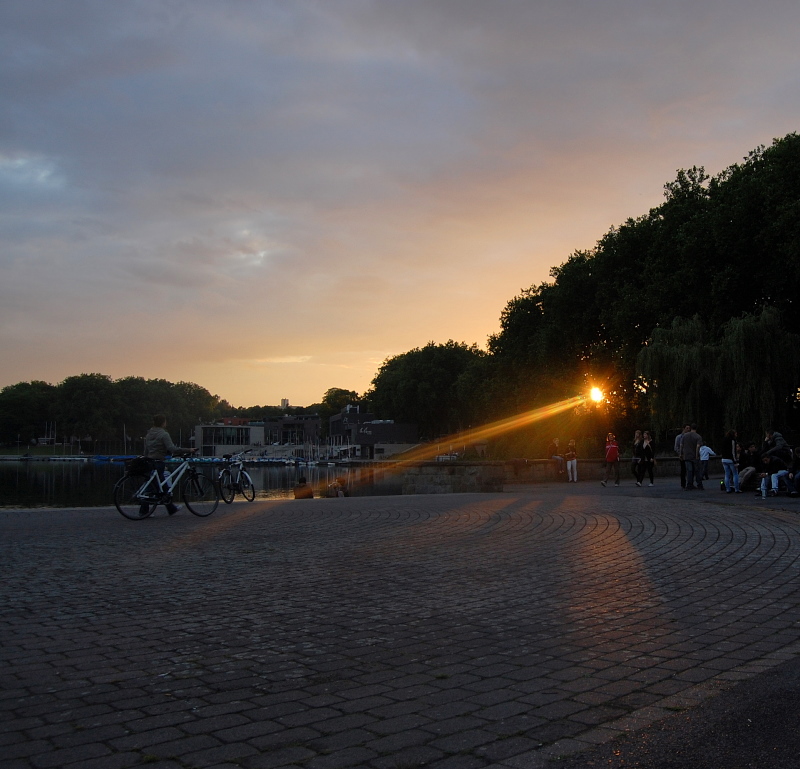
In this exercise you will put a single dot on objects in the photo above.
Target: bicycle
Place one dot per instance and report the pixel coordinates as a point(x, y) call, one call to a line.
point(234, 478)
point(141, 490)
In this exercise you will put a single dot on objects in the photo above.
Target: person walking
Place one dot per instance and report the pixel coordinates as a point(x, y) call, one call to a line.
point(157, 445)
point(571, 455)
point(612, 459)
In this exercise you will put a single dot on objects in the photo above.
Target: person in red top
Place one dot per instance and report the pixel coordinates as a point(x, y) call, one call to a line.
point(612, 459)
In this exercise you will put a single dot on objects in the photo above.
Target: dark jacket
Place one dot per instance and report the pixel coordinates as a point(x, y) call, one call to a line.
point(774, 465)
point(728, 450)
point(777, 446)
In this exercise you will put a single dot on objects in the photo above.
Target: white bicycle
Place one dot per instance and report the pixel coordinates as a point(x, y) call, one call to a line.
point(142, 489)
point(233, 479)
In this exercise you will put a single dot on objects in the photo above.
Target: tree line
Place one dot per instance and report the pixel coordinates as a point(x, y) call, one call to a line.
point(689, 312)
point(101, 414)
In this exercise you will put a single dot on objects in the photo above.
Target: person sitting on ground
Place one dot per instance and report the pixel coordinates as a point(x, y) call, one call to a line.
point(774, 468)
point(157, 446)
point(793, 479)
point(749, 462)
point(303, 490)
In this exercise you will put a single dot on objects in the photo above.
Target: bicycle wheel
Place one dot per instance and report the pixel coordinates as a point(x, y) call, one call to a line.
point(128, 499)
point(246, 483)
point(200, 494)
point(226, 488)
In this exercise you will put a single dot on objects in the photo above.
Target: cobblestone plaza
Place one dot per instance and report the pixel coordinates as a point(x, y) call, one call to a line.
point(461, 631)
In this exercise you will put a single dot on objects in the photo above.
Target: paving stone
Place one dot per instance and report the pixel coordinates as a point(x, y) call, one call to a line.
point(415, 756)
point(458, 630)
point(67, 756)
point(342, 758)
point(276, 758)
point(234, 751)
point(328, 743)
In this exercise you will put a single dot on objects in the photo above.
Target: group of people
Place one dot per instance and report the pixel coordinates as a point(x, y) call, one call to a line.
point(643, 458)
point(770, 467)
point(773, 465)
point(568, 459)
point(694, 455)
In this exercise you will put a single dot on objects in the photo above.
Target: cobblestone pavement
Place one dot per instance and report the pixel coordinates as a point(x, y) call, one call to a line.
point(387, 632)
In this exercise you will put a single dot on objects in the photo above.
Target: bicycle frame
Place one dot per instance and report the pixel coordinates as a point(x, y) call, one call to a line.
point(168, 482)
point(236, 478)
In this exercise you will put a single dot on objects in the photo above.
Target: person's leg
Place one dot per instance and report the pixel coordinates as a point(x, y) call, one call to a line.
point(776, 479)
point(683, 473)
point(689, 473)
point(727, 466)
point(650, 467)
point(736, 486)
point(172, 508)
point(616, 473)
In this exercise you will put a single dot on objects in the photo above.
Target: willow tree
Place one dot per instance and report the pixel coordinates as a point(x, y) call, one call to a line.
point(676, 369)
point(758, 372)
point(743, 376)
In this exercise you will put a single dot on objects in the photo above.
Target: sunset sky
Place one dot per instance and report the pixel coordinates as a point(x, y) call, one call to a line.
point(270, 198)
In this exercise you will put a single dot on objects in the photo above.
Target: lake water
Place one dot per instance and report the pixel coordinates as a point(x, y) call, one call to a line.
point(36, 483)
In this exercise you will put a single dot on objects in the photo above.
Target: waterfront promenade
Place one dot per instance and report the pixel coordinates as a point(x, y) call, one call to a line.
point(466, 630)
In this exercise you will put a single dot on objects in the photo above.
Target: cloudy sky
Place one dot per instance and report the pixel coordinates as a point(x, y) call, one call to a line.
point(268, 198)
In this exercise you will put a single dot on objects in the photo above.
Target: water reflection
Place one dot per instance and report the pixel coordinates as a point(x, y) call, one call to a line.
point(90, 484)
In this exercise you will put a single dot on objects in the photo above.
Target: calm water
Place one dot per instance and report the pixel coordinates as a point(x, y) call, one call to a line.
point(90, 484)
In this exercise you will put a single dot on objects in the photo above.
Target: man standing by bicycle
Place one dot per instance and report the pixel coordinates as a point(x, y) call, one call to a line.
point(157, 444)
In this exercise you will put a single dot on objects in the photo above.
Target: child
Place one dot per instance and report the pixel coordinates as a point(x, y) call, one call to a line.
point(705, 454)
